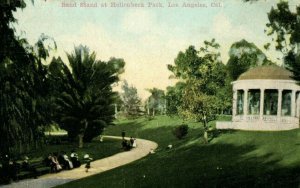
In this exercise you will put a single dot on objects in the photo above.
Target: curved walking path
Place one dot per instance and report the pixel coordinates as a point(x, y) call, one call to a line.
point(50, 180)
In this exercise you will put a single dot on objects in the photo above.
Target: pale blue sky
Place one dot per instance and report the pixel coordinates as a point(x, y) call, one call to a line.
point(147, 38)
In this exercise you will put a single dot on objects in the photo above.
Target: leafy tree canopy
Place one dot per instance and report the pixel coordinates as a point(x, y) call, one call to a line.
point(243, 56)
point(156, 102)
point(130, 99)
point(174, 96)
point(24, 93)
point(284, 27)
point(203, 73)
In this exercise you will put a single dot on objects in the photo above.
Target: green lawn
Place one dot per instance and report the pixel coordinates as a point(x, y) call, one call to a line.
point(231, 159)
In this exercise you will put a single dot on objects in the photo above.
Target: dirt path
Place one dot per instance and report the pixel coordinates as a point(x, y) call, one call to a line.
point(50, 180)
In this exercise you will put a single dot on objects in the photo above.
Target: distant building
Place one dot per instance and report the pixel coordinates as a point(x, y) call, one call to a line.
point(264, 98)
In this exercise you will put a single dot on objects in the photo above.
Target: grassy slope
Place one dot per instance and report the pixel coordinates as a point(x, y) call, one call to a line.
point(232, 158)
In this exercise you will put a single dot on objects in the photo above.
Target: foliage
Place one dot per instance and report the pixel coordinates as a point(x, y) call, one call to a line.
point(85, 104)
point(284, 25)
point(25, 97)
point(180, 131)
point(156, 103)
point(243, 56)
point(224, 96)
point(199, 106)
point(131, 101)
point(32, 95)
point(174, 96)
point(203, 73)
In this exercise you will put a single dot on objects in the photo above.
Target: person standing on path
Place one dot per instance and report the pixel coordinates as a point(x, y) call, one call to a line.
point(88, 160)
point(123, 134)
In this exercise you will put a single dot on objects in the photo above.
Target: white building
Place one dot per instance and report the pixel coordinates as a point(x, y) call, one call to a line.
point(264, 98)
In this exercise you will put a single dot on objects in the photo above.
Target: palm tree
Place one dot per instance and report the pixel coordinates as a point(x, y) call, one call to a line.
point(85, 103)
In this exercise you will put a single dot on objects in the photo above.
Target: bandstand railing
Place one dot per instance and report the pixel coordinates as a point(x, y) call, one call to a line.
point(265, 118)
point(269, 118)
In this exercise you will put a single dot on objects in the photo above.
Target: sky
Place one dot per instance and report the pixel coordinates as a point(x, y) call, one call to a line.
point(147, 38)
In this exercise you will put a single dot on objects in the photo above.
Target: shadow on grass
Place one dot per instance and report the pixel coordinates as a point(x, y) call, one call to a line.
point(216, 133)
point(190, 163)
point(225, 165)
point(198, 165)
point(193, 164)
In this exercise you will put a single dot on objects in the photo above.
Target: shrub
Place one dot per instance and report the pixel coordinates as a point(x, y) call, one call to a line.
point(180, 131)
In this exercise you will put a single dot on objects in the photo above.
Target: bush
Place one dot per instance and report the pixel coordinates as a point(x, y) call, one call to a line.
point(181, 131)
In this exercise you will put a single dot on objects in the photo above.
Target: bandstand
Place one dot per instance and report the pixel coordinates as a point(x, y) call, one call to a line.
point(264, 98)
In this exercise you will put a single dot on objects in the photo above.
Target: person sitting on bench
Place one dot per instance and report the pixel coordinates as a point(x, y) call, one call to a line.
point(74, 159)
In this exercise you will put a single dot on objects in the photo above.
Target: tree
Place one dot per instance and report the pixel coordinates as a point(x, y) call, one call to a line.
point(284, 25)
point(118, 104)
point(85, 105)
point(156, 102)
point(24, 94)
point(243, 56)
point(199, 106)
point(224, 96)
point(203, 73)
point(131, 100)
point(174, 96)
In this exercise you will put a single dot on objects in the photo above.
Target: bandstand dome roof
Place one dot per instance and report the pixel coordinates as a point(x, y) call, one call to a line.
point(271, 72)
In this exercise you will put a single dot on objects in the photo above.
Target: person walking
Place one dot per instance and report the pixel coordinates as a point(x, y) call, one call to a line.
point(131, 142)
point(88, 160)
point(123, 134)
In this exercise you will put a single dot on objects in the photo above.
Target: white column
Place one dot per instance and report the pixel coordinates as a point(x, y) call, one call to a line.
point(293, 101)
point(261, 105)
point(298, 105)
point(245, 102)
point(116, 110)
point(234, 103)
point(279, 103)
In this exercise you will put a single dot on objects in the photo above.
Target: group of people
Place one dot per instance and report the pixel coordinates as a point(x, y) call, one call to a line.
point(10, 168)
point(58, 162)
point(127, 145)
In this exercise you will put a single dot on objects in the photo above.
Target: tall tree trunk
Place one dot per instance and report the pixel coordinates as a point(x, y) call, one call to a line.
point(298, 50)
point(80, 139)
point(20, 147)
point(165, 107)
point(36, 144)
point(205, 135)
point(148, 110)
point(81, 134)
point(116, 111)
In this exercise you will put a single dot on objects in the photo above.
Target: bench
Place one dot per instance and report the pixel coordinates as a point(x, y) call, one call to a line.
point(18, 171)
point(33, 170)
